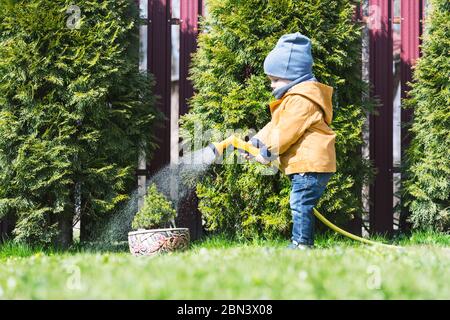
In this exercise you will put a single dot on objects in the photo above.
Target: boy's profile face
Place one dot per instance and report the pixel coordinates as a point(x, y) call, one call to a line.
point(276, 82)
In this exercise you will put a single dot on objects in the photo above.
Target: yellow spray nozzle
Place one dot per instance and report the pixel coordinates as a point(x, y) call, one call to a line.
point(240, 145)
point(237, 144)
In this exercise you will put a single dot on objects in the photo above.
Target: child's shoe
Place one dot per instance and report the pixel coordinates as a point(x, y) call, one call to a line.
point(298, 246)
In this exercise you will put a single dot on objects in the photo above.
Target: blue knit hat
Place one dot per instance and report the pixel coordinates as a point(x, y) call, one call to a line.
point(290, 59)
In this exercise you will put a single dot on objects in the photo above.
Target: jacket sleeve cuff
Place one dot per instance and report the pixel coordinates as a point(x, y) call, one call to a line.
point(256, 142)
point(264, 151)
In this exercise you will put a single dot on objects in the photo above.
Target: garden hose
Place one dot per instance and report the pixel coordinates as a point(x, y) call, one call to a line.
point(334, 227)
point(242, 146)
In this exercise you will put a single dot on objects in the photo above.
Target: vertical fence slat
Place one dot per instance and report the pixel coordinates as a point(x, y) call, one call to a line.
point(381, 131)
point(190, 11)
point(159, 59)
point(412, 14)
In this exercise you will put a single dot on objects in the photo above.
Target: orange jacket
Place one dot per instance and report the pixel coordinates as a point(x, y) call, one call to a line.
point(299, 132)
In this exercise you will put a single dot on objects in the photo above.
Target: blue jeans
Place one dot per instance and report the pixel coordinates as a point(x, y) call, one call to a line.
point(306, 191)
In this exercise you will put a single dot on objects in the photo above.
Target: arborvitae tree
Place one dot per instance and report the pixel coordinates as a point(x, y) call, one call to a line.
point(232, 92)
point(74, 112)
point(427, 174)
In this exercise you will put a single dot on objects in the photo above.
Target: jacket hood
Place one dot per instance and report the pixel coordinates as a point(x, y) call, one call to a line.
point(317, 92)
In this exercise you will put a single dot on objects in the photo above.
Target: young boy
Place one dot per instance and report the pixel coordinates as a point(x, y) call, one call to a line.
point(298, 133)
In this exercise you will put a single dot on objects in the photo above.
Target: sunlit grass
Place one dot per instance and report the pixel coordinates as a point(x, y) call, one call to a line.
point(221, 268)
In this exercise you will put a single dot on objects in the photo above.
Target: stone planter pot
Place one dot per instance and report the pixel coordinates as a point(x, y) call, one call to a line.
point(154, 241)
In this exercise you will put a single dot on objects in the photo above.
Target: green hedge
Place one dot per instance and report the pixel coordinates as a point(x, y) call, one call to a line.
point(74, 112)
point(427, 183)
point(233, 92)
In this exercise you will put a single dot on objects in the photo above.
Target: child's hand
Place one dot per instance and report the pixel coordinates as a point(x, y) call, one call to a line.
point(259, 158)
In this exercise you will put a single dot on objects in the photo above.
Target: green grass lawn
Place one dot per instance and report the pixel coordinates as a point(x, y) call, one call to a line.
point(221, 269)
